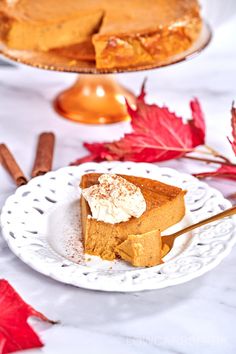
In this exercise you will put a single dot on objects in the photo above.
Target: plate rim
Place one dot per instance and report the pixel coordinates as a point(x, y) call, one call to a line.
point(91, 286)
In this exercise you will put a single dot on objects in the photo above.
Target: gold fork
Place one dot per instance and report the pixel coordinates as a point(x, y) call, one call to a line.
point(168, 240)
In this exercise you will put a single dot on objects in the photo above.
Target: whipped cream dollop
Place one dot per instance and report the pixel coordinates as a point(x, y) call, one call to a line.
point(114, 199)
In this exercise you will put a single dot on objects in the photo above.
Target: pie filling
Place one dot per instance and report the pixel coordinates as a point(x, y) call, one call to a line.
point(142, 250)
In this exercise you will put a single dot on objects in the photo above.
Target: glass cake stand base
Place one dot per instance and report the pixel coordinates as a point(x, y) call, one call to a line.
point(95, 99)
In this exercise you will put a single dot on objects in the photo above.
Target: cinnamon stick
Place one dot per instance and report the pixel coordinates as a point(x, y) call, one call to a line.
point(12, 166)
point(44, 154)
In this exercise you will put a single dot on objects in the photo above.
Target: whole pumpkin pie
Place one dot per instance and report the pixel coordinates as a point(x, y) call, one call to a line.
point(123, 33)
point(160, 207)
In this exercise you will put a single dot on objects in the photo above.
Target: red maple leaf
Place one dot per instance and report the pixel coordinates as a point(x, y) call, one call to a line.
point(228, 172)
point(197, 123)
point(98, 152)
point(225, 171)
point(233, 124)
point(157, 135)
point(15, 333)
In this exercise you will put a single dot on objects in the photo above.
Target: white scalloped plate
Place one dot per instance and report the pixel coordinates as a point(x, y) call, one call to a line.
point(39, 219)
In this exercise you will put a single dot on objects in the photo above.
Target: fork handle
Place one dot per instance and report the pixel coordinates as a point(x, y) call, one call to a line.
point(225, 213)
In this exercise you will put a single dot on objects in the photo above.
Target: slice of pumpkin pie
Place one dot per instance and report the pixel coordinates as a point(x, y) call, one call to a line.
point(116, 206)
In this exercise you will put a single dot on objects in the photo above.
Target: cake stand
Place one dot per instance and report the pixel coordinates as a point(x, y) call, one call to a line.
point(95, 98)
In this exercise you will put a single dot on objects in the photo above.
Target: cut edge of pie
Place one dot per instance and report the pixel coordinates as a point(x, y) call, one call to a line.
point(21, 32)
